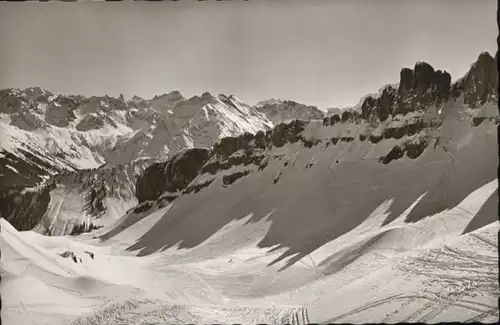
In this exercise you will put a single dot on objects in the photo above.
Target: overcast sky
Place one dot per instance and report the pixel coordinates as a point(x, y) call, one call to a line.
point(324, 53)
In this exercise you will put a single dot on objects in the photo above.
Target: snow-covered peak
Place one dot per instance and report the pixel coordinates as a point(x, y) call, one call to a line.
point(90, 131)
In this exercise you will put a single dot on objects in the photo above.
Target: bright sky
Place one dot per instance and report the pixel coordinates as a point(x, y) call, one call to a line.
point(318, 52)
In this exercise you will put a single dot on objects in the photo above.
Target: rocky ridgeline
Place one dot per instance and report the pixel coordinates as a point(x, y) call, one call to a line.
point(35, 108)
point(422, 87)
point(175, 175)
point(419, 89)
point(166, 181)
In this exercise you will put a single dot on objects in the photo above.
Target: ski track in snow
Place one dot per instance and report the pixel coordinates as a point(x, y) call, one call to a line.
point(402, 272)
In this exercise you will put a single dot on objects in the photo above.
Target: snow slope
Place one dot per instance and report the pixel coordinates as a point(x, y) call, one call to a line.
point(425, 272)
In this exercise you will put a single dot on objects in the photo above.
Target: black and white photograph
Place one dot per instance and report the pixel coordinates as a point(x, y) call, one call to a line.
point(249, 162)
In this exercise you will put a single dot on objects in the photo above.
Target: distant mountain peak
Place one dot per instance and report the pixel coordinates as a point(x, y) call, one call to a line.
point(136, 99)
point(206, 95)
point(284, 110)
point(171, 95)
point(270, 101)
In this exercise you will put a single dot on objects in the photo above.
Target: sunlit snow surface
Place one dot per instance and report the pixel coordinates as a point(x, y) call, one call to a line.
point(401, 272)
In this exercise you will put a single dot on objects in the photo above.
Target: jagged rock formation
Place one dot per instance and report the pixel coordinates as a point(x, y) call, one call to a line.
point(480, 84)
point(422, 87)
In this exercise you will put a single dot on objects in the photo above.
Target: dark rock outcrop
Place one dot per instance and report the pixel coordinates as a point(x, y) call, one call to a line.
point(83, 228)
point(480, 84)
point(228, 146)
point(94, 204)
point(395, 153)
point(347, 116)
point(331, 120)
point(170, 176)
point(231, 178)
point(412, 149)
point(72, 255)
point(143, 207)
point(24, 210)
point(418, 89)
point(427, 87)
point(287, 133)
point(178, 172)
point(375, 138)
point(386, 103)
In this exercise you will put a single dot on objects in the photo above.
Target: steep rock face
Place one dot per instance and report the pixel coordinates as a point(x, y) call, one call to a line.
point(24, 209)
point(418, 88)
point(171, 176)
point(421, 87)
point(424, 87)
point(480, 84)
point(228, 146)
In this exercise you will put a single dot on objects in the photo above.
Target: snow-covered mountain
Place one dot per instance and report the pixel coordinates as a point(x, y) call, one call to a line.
point(44, 135)
point(89, 132)
point(383, 212)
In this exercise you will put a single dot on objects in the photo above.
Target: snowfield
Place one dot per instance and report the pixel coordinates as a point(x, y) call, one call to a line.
point(425, 271)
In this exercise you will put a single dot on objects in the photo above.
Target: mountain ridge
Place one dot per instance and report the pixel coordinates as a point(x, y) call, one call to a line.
point(413, 110)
